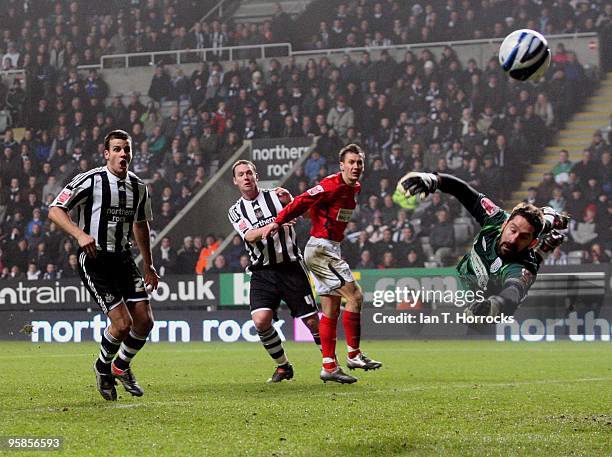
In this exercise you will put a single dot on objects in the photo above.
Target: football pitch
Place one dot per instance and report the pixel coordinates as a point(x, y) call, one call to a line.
point(210, 399)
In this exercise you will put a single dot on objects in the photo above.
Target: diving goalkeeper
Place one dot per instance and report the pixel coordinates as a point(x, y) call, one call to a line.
point(508, 249)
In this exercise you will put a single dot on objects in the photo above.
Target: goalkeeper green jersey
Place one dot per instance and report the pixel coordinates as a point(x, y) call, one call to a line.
point(482, 268)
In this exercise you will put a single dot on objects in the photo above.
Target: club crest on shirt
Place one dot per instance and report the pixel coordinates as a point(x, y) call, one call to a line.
point(489, 207)
point(108, 298)
point(315, 190)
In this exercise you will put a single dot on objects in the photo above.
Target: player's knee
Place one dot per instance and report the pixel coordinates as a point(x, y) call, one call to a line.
point(355, 302)
point(122, 326)
point(332, 314)
point(262, 323)
point(145, 326)
point(312, 322)
point(358, 297)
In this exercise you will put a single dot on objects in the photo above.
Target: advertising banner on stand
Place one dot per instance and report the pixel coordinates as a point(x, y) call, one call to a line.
point(275, 157)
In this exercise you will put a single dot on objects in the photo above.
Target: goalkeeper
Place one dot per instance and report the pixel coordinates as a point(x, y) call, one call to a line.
point(507, 251)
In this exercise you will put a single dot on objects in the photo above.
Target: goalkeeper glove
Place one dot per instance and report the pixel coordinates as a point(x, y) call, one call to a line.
point(554, 220)
point(549, 242)
point(415, 182)
point(492, 306)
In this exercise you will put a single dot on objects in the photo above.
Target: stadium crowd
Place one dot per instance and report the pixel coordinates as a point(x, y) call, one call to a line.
point(73, 35)
point(414, 113)
point(368, 23)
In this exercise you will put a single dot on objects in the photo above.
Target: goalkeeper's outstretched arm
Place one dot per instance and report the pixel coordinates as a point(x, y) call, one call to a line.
point(426, 183)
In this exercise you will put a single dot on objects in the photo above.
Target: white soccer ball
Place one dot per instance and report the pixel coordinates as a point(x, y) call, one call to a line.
point(524, 55)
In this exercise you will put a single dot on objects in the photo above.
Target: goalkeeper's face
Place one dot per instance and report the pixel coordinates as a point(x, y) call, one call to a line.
point(517, 235)
point(118, 156)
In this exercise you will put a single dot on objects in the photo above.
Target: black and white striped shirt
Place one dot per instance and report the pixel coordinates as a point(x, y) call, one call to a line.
point(253, 214)
point(106, 206)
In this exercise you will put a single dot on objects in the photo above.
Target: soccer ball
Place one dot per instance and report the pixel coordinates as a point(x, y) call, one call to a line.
point(524, 55)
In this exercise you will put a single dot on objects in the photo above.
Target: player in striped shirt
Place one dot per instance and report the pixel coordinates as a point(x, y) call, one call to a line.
point(110, 204)
point(277, 270)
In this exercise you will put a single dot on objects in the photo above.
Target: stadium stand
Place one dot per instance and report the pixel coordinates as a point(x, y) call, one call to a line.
point(417, 112)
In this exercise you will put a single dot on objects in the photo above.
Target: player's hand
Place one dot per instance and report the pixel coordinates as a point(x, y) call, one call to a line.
point(88, 244)
point(151, 278)
point(554, 220)
point(549, 242)
point(414, 183)
point(492, 306)
point(291, 223)
point(284, 195)
point(269, 230)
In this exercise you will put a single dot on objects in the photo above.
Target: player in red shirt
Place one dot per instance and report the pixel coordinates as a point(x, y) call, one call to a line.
point(331, 204)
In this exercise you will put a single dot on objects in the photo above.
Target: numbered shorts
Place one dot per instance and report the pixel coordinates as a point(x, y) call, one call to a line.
point(330, 271)
point(286, 282)
point(112, 278)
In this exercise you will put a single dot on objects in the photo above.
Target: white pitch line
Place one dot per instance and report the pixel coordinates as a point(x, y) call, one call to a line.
point(446, 385)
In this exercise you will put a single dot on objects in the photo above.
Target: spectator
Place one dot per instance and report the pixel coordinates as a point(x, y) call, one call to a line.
point(365, 261)
point(219, 265)
point(187, 257)
point(165, 258)
point(583, 233)
point(442, 237)
point(313, 165)
point(561, 170)
point(211, 246)
point(341, 117)
point(71, 270)
point(33, 273)
point(413, 259)
point(388, 261)
point(161, 87)
point(51, 273)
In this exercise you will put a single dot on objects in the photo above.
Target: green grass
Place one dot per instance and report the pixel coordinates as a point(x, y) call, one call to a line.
point(431, 398)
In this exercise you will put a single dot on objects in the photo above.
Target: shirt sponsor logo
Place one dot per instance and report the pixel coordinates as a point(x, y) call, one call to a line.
point(64, 196)
point(120, 214)
point(315, 190)
point(344, 214)
point(489, 207)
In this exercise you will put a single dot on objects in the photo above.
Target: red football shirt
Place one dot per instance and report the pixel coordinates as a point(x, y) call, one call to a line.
point(331, 204)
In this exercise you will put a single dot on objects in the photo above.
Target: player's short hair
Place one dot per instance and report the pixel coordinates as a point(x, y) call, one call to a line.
point(351, 148)
point(532, 214)
point(243, 162)
point(117, 134)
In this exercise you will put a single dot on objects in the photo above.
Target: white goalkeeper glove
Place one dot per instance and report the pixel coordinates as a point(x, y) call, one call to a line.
point(419, 183)
point(554, 220)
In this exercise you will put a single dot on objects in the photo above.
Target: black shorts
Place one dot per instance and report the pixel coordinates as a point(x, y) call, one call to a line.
point(112, 278)
point(288, 282)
